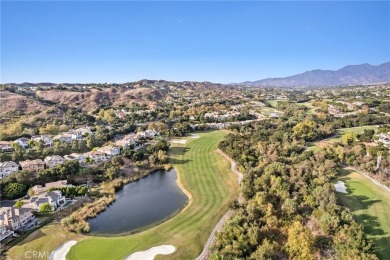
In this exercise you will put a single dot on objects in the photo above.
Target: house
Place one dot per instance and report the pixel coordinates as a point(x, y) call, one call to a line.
point(147, 134)
point(64, 137)
point(76, 135)
point(23, 142)
point(5, 232)
point(14, 218)
point(6, 147)
point(85, 131)
point(123, 143)
point(96, 156)
point(385, 139)
point(6, 168)
point(33, 165)
point(54, 198)
point(110, 151)
point(38, 189)
point(47, 141)
point(77, 157)
point(52, 161)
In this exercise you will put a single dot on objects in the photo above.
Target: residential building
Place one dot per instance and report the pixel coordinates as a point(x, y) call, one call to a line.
point(14, 218)
point(23, 142)
point(53, 161)
point(5, 232)
point(86, 130)
point(110, 151)
point(81, 158)
point(64, 137)
point(38, 189)
point(6, 147)
point(47, 141)
point(96, 156)
point(54, 198)
point(33, 165)
point(385, 139)
point(6, 168)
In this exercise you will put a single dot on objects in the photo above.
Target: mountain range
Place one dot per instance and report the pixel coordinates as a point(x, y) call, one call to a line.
point(348, 75)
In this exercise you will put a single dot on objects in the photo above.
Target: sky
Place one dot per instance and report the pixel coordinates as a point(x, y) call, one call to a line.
point(217, 41)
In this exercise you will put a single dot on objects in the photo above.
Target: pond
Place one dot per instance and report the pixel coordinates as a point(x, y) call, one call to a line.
point(148, 201)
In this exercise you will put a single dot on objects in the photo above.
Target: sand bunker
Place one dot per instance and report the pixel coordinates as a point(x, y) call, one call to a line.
point(177, 141)
point(194, 136)
point(60, 253)
point(340, 187)
point(151, 253)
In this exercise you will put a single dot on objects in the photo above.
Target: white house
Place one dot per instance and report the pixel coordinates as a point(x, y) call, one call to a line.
point(81, 158)
point(47, 141)
point(86, 130)
point(23, 142)
point(110, 151)
point(6, 168)
point(385, 139)
point(54, 198)
point(64, 137)
point(52, 161)
point(96, 156)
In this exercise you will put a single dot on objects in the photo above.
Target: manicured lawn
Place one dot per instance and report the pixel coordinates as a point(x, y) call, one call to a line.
point(370, 204)
point(43, 240)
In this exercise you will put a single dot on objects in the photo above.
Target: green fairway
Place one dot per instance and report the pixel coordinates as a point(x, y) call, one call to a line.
point(370, 204)
point(337, 138)
point(202, 172)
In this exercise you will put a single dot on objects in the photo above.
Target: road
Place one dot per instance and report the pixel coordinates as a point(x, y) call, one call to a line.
point(206, 249)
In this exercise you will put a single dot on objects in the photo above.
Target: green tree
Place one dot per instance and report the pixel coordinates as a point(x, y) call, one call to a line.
point(19, 203)
point(45, 207)
point(14, 190)
point(349, 138)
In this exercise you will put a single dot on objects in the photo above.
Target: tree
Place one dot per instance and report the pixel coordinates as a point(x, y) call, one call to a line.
point(305, 130)
point(162, 156)
point(349, 138)
point(112, 171)
point(117, 160)
point(19, 203)
point(45, 207)
point(300, 242)
point(14, 190)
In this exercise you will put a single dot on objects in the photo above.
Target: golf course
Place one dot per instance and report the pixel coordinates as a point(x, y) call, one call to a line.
point(370, 204)
point(206, 178)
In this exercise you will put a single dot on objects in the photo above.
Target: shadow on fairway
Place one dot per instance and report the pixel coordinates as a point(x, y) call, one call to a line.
point(177, 152)
point(371, 224)
point(382, 248)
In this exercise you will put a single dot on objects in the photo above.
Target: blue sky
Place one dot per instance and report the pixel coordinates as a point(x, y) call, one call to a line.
point(84, 41)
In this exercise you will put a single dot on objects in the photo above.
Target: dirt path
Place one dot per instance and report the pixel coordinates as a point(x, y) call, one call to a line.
point(206, 249)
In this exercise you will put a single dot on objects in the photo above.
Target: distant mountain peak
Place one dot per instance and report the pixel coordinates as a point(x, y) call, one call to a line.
point(349, 75)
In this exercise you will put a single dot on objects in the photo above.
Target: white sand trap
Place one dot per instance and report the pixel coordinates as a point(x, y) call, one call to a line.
point(340, 187)
point(151, 253)
point(194, 136)
point(60, 253)
point(177, 141)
